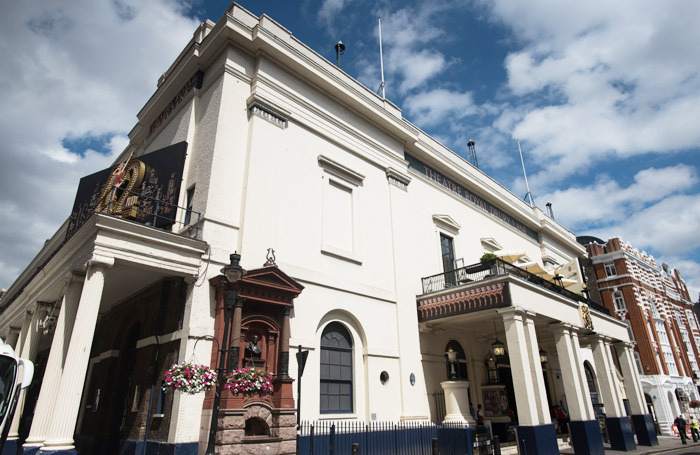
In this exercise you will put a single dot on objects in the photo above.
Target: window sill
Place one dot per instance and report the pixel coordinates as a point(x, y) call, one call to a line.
point(338, 417)
point(340, 254)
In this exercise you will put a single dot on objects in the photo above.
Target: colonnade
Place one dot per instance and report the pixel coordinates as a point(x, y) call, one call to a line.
point(535, 429)
point(66, 367)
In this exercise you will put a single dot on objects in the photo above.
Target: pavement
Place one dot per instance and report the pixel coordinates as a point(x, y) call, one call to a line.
point(667, 444)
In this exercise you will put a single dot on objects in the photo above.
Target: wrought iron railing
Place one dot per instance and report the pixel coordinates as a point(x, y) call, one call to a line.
point(493, 268)
point(150, 210)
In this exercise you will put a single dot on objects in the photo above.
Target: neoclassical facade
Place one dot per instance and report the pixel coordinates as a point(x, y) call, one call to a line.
point(378, 232)
point(655, 304)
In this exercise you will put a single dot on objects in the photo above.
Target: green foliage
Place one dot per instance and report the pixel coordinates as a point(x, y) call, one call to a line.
point(486, 257)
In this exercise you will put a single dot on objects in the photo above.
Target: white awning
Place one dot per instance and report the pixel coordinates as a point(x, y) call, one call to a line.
point(509, 255)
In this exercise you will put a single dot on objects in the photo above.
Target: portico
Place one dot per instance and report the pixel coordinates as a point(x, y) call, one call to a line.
point(533, 319)
point(115, 258)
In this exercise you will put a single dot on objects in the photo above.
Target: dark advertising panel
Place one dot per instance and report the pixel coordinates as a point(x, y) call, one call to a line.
point(143, 189)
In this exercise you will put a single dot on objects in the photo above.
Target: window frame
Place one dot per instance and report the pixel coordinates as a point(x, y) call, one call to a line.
point(608, 266)
point(343, 330)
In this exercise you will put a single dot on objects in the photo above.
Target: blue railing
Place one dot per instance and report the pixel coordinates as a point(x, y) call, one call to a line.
point(386, 438)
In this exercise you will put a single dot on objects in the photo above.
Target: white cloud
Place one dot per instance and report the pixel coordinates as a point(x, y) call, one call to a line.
point(411, 38)
point(435, 106)
point(613, 78)
point(605, 201)
point(72, 70)
point(329, 11)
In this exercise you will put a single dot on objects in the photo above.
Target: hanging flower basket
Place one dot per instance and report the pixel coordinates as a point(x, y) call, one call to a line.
point(249, 382)
point(694, 404)
point(189, 377)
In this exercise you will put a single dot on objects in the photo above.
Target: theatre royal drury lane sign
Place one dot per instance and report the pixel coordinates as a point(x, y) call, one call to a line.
point(467, 195)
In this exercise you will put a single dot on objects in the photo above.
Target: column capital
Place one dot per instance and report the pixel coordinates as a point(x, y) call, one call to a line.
point(74, 276)
point(513, 312)
point(624, 344)
point(99, 261)
point(562, 326)
point(599, 337)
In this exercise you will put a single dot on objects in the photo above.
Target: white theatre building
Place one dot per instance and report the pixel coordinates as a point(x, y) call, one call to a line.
point(377, 231)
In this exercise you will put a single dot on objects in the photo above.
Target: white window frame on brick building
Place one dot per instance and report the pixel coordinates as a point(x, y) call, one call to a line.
point(619, 301)
point(610, 269)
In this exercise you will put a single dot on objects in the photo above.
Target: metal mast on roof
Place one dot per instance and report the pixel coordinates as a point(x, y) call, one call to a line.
point(339, 50)
point(381, 58)
point(472, 151)
point(529, 195)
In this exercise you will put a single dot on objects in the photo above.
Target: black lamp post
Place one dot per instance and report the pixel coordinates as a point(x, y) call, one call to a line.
point(232, 273)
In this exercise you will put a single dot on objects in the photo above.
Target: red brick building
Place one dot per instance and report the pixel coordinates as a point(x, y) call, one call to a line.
point(654, 302)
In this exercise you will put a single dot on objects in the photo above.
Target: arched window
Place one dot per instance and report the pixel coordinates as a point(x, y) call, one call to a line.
point(336, 370)
point(592, 388)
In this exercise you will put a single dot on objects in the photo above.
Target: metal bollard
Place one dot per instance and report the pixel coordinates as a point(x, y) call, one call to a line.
point(436, 447)
point(496, 445)
point(355, 449)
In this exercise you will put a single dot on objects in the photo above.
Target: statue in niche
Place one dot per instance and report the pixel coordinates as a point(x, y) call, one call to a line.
point(253, 349)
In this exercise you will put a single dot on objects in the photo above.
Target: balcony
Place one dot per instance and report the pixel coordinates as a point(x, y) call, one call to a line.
point(481, 286)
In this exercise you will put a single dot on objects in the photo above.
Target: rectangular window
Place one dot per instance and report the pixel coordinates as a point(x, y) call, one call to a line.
point(610, 269)
point(448, 259)
point(638, 361)
point(619, 301)
point(189, 204)
point(691, 319)
point(629, 329)
point(161, 399)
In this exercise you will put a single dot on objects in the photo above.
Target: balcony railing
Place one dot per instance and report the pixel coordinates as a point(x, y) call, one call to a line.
point(476, 272)
point(148, 209)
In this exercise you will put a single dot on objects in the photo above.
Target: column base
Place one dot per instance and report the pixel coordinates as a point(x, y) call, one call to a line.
point(10, 447)
point(645, 430)
point(620, 433)
point(537, 439)
point(586, 437)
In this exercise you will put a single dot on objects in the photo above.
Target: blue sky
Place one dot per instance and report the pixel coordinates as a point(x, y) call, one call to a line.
point(604, 96)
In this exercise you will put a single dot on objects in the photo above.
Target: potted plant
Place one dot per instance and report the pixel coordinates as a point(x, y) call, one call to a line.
point(489, 260)
point(190, 378)
point(249, 382)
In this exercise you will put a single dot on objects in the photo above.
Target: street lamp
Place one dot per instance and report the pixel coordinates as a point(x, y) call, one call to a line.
point(232, 273)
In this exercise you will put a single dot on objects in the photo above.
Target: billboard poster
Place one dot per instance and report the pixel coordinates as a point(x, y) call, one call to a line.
point(144, 189)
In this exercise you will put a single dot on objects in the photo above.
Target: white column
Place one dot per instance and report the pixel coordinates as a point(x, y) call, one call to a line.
point(30, 346)
point(43, 413)
point(540, 396)
point(524, 388)
point(575, 386)
point(606, 377)
point(635, 393)
point(588, 404)
point(70, 390)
